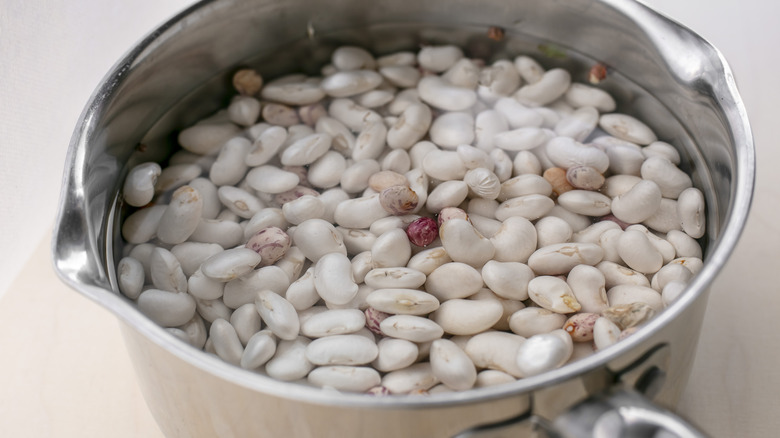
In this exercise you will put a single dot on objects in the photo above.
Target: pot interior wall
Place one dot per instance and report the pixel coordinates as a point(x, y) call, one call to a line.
point(185, 77)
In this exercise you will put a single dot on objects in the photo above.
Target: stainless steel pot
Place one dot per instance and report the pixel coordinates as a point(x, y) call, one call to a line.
point(659, 70)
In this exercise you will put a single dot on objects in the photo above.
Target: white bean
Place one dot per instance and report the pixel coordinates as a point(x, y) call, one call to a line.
point(168, 309)
point(130, 277)
point(316, 237)
point(436, 92)
point(451, 365)
point(526, 184)
point(242, 290)
point(616, 185)
point(333, 278)
point(402, 301)
point(350, 83)
point(417, 377)
point(412, 328)
point(464, 243)
point(427, 260)
point(670, 179)
point(553, 294)
point(492, 378)
point(345, 378)
point(625, 159)
point(438, 58)
point(391, 249)
point(230, 264)
point(579, 95)
point(551, 230)
point(239, 201)
point(271, 179)
point(306, 150)
point(532, 321)
point(662, 149)
point(208, 193)
point(517, 115)
point(528, 68)
point(173, 177)
point(226, 342)
point(333, 322)
point(638, 204)
point(289, 362)
point(404, 76)
point(370, 142)
point(265, 146)
point(181, 217)
point(579, 124)
point(671, 292)
point(463, 73)
point(627, 128)
point(684, 245)
point(351, 114)
point(550, 86)
point(138, 188)
point(500, 78)
point(666, 218)
point(246, 322)
point(302, 209)
point(495, 351)
point(521, 139)
point(207, 138)
point(451, 129)
point(166, 271)
point(690, 207)
point(670, 273)
point(615, 274)
point(629, 294)
point(293, 93)
point(394, 278)
point(507, 279)
point(567, 152)
point(359, 212)
point(224, 233)
point(278, 314)
point(560, 258)
point(230, 165)
point(502, 164)
point(588, 285)
point(515, 241)
point(447, 194)
point(411, 126)
point(394, 354)
point(204, 288)
point(605, 333)
point(467, 317)
point(260, 348)
point(487, 124)
point(191, 254)
point(544, 352)
point(585, 202)
point(531, 207)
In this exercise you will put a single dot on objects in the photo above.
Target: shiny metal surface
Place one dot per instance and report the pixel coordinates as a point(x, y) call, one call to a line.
point(678, 83)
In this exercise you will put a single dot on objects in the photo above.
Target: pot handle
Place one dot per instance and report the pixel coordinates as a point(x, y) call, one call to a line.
point(623, 410)
point(620, 413)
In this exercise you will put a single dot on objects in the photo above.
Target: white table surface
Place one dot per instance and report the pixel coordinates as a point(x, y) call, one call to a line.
point(64, 370)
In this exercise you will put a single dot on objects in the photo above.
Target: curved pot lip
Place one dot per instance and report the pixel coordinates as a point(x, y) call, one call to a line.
point(721, 249)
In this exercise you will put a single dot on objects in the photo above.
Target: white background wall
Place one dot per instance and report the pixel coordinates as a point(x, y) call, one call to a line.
point(53, 53)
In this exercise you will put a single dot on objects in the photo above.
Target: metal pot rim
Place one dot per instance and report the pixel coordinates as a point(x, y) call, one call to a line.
point(720, 250)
